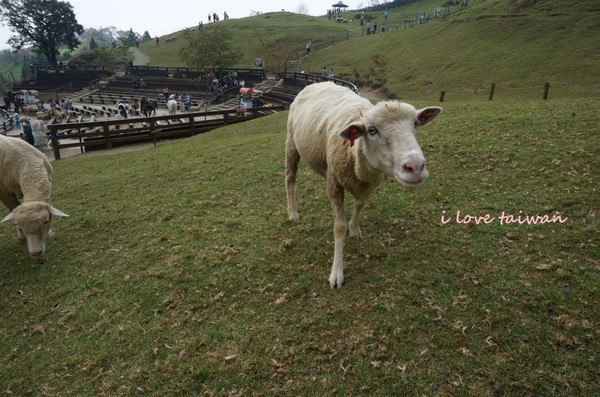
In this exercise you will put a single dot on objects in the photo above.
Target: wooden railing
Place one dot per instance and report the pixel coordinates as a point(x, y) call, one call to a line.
point(304, 79)
point(179, 72)
point(111, 133)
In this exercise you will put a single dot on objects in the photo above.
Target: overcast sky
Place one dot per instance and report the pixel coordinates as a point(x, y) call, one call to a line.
point(160, 17)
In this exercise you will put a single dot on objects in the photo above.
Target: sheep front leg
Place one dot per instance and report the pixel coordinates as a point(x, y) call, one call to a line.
point(336, 196)
point(292, 158)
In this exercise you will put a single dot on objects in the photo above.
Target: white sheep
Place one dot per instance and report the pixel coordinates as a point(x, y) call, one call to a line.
point(40, 136)
point(172, 105)
point(25, 173)
point(354, 145)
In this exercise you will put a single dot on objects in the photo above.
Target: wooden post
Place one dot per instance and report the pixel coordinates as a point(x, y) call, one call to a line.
point(546, 89)
point(107, 135)
point(442, 95)
point(492, 89)
point(55, 148)
point(152, 132)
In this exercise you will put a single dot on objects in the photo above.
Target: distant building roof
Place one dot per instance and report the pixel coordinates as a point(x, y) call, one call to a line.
point(339, 4)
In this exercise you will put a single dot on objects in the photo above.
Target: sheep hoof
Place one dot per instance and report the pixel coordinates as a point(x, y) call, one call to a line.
point(356, 233)
point(293, 216)
point(336, 280)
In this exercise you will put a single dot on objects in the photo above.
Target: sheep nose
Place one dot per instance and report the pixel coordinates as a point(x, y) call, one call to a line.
point(414, 163)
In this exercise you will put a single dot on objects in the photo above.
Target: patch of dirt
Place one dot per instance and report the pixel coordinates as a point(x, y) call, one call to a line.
point(372, 94)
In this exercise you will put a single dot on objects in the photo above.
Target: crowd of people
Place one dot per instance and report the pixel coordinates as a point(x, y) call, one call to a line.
point(214, 17)
point(139, 84)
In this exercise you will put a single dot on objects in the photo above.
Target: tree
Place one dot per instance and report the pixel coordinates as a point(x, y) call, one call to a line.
point(209, 49)
point(302, 9)
point(128, 37)
point(43, 24)
point(146, 36)
point(93, 44)
point(105, 56)
point(278, 51)
point(102, 36)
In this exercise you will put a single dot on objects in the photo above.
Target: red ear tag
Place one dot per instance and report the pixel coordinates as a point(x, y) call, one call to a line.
point(354, 131)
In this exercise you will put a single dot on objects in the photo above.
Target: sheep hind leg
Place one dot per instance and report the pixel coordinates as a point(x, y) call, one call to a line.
point(292, 158)
point(336, 196)
point(354, 220)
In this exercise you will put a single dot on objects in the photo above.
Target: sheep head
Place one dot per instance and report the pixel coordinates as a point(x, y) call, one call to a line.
point(387, 134)
point(33, 224)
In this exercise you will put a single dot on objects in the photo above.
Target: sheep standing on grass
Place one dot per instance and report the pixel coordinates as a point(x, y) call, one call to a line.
point(354, 145)
point(25, 173)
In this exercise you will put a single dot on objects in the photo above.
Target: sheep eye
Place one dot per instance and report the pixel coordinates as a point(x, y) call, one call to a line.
point(372, 131)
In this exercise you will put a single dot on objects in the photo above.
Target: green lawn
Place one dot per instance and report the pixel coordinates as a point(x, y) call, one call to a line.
point(178, 272)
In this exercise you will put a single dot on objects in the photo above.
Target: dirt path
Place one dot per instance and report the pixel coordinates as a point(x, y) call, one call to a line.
point(140, 59)
point(369, 93)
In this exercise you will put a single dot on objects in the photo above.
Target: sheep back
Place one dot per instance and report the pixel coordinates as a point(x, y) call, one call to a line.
point(317, 116)
point(25, 172)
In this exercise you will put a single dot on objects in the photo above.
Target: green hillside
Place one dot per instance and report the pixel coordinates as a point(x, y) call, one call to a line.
point(515, 45)
point(300, 28)
point(492, 41)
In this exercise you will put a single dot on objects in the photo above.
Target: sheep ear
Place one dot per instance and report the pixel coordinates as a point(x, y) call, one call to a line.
point(56, 212)
point(427, 115)
point(8, 217)
point(353, 131)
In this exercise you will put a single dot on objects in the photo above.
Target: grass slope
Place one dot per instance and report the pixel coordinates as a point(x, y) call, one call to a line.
point(519, 45)
point(518, 48)
point(244, 31)
point(179, 274)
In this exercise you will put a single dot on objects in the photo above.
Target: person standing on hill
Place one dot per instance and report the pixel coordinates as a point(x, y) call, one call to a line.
point(308, 46)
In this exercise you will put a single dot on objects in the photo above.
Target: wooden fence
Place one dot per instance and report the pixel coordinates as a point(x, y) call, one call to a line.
point(111, 133)
point(300, 79)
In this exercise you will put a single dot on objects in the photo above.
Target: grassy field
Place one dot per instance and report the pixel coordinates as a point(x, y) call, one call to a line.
point(179, 274)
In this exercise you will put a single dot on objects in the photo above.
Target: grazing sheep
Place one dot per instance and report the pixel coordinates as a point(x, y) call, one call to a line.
point(354, 145)
point(47, 114)
point(172, 105)
point(30, 109)
point(25, 173)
